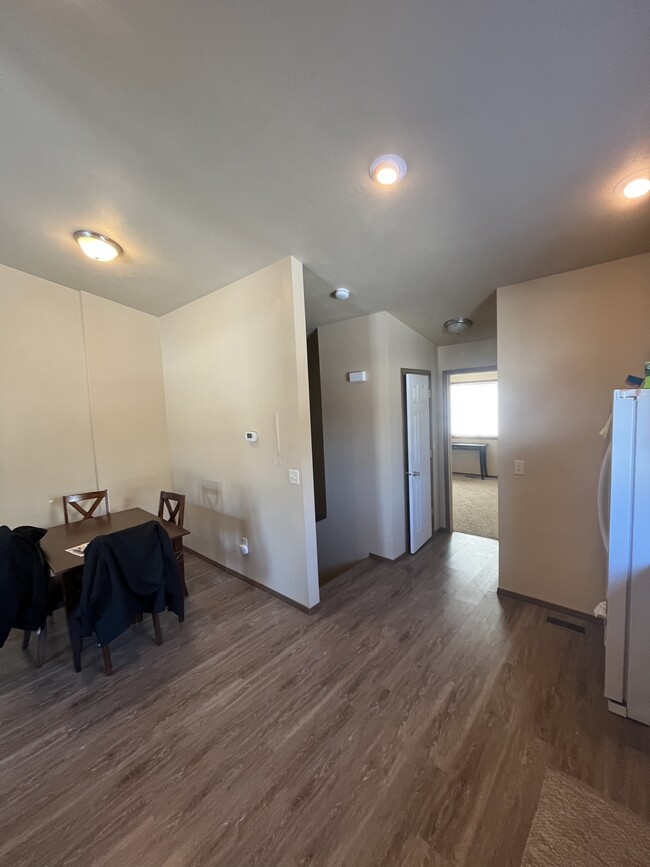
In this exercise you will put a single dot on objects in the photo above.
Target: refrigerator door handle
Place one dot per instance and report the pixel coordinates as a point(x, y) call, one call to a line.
point(603, 495)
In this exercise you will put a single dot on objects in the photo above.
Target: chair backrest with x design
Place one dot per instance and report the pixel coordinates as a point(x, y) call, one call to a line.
point(75, 500)
point(173, 505)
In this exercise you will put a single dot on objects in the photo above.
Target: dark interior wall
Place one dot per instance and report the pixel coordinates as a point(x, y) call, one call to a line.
point(316, 412)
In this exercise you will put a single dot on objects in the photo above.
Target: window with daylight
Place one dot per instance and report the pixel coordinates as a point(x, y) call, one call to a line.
point(474, 409)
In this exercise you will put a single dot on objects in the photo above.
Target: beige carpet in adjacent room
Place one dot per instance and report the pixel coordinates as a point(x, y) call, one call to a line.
point(475, 506)
point(575, 827)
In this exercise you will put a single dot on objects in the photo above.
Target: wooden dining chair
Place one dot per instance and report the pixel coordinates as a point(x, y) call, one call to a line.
point(126, 574)
point(171, 507)
point(75, 500)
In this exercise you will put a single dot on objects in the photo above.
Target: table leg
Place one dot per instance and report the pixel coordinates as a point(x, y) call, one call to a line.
point(179, 553)
point(71, 595)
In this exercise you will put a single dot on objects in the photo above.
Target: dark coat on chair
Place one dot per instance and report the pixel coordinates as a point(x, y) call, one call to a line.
point(24, 578)
point(127, 573)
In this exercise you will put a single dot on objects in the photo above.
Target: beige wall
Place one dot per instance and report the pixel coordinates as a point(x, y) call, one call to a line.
point(406, 349)
point(363, 436)
point(565, 342)
point(234, 361)
point(45, 431)
point(62, 352)
point(127, 401)
point(457, 356)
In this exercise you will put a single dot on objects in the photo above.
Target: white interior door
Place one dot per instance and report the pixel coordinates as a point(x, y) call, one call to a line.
point(418, 442)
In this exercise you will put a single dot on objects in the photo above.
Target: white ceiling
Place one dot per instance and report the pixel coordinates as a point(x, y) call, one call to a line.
point(211, 138)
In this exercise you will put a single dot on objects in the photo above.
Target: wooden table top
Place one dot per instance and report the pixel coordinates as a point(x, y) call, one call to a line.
point(57, 539)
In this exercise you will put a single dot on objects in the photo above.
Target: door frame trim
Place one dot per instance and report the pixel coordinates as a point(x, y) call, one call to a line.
point(446, 435)
point(407, 514)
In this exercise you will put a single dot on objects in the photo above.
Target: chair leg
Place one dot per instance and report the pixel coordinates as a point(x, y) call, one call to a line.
point(156, 628)
point(75, 644)
point(108, 662)
point(26, 637)
point(41, 647)
point(75, 640)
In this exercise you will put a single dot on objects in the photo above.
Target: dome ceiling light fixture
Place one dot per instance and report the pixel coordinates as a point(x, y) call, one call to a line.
point(341, 294)
point(635, 185)
point(96, 246)
point(458, 326)
point(388, 169)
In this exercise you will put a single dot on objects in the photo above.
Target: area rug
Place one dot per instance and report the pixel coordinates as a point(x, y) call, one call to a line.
point(576, 827)
point(475, 506)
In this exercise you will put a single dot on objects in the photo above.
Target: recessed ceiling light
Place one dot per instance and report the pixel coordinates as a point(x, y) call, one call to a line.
point(342, 294)
point(96, 246)
point(637, 187)
point(634, 185)
point(388, 169)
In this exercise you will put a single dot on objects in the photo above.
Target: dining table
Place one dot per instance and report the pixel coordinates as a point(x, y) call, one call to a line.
point(58, 540)
point(68, 566)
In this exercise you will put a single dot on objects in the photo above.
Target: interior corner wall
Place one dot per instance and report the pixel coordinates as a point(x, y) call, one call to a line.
point(236, 361)
point(127, 402)
point(61, 352)
point(363, 437)
point(565, 342)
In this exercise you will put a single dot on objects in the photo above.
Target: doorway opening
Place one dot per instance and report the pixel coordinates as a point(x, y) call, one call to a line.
point(471, 455)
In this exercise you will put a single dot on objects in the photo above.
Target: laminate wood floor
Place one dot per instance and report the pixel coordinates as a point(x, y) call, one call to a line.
point(409, 722)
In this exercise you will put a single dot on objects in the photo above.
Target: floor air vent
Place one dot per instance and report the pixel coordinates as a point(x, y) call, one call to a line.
point(565, 623)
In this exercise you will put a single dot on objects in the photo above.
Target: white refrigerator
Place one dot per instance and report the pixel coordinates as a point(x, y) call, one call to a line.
point(627, 637)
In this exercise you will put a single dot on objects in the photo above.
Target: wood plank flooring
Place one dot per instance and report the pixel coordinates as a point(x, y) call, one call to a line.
point(409, 722)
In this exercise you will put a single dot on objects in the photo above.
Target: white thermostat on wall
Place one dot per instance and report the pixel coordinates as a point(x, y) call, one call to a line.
point(357, 376)
point(250, 436)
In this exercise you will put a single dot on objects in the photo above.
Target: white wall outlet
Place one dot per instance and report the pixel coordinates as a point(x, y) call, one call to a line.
point(243, 545)
point(519, 468)
point(294, 477)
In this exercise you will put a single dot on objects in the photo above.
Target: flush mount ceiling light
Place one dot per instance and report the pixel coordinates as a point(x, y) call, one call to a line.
point(96, 246)
point(458, 326)
point(342, 294)
point(388, 169)
point(635, 185)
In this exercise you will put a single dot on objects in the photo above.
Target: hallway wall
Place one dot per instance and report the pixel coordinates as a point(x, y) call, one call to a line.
point(363, 437)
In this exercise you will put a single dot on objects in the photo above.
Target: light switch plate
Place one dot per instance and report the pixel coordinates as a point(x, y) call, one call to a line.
point(519, 468)
point(294, 477)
